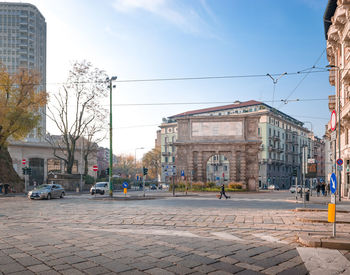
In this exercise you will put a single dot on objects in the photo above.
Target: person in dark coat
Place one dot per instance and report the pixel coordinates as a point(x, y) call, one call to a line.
point(323, 189)
point(318, 188)
point(222, 193)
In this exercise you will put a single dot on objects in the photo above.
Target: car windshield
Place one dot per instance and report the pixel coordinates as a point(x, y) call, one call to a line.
point(44, 186)
point(101, 184)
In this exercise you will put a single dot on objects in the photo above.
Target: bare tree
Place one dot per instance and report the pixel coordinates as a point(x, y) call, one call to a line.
point(76, 109)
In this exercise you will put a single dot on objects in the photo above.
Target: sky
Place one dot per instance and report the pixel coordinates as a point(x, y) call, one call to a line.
point(147, 39)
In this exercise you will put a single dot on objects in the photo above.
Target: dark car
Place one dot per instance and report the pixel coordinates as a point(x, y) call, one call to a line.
point(153, 187)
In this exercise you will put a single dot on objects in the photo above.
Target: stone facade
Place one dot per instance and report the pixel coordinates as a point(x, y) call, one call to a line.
point(337, 31)
point(234, 137)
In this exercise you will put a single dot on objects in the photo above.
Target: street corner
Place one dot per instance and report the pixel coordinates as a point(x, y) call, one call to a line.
point(325, 240)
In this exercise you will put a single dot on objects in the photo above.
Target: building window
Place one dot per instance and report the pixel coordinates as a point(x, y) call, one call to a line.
point(166, 159)
point(269, 132)
point(173, 159)
point(259, 132)
point(54, 165)
point(347, 136)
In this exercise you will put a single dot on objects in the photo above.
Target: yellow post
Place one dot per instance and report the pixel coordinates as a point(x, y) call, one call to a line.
point(125, 190)
point(331, 212)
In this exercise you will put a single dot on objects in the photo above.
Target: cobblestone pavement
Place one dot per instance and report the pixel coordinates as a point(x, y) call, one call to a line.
point(79, 235)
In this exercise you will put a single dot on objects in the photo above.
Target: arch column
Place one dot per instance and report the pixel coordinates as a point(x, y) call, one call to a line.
point(243, 168)
point(233, 170)
point(200, 165)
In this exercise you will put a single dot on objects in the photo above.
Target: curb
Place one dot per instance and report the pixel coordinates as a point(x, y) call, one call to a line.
point(320, 221)
point(313, 240)
point(317, 210)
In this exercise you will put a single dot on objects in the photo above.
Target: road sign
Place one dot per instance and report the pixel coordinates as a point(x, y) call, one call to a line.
point(321, 180)
point(24, 161)
point(125, 184)
point(340, 162)
point(95, 168)
point(333, 120)
point(182, 173)
point(332, 198)
point(333, 183)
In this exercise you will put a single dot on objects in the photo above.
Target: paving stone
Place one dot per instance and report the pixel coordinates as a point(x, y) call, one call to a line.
point(158, 271)
point(204, 268)
point(48, 272)
point(23, 272)
point(38, 268)
point(179, 269)
point(96, 270)
point(11, 267)
point(117, 266)
point(226, 267)
point(219, 273)
point(142, 265)
point(62, 267)
point(28, 261)
point(249, 272)
point(71, 271)
point(101, 259)
point(300, 270)
point(133, 272)
point(84, 265)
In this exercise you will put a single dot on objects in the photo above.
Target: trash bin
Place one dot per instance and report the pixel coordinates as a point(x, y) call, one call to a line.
point(307, 195)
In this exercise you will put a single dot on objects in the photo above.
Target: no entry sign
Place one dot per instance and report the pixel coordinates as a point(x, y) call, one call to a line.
point(333, 120)
point(95, 168)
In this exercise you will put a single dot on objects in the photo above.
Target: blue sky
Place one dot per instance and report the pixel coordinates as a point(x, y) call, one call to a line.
point(137, 39)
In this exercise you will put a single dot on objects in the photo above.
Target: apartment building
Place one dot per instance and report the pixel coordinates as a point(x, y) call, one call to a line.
point(23, 45)
point(337, 34)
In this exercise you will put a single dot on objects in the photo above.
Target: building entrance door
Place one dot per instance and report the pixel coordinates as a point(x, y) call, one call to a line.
point(37, 165)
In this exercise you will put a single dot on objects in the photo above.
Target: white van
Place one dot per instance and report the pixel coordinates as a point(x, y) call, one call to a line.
point(100, 188)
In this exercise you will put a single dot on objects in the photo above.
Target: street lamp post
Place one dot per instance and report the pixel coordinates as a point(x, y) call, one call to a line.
point(110, 80)
point(338, 136)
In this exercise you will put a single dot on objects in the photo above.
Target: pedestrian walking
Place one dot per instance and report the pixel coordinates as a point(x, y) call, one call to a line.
point(318, 189)
point(323, 189)
point(222, 193)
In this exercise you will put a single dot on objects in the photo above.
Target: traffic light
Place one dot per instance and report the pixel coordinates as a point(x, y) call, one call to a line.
point(145, 171)
point(29, 171)
point(107, 171)
point(295, 173)
point(24, 170)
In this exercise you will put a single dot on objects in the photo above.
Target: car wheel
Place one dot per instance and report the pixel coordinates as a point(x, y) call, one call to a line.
point(103, 192)
point(49, 196)
point(62, 195)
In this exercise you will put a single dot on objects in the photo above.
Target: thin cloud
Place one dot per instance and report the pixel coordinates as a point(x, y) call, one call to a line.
point(176, 13)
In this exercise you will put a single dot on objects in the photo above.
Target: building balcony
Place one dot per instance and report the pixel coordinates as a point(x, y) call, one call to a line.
point(166, 154)
point(331, 102)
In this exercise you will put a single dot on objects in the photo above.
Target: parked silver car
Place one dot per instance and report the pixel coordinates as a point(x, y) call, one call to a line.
point(47, 191)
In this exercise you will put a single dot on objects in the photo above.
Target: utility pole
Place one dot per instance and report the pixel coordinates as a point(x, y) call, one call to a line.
point(110, 80)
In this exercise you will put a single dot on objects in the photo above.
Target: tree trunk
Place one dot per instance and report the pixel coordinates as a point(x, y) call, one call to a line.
point(86, 165)
point(7, 173)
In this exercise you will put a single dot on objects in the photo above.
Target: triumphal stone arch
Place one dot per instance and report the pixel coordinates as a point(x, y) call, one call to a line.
point(233, 136)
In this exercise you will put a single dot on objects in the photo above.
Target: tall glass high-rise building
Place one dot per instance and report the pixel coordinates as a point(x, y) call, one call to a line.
point(23, 45)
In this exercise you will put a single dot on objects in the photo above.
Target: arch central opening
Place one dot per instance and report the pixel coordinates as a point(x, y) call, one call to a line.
point(218, 169)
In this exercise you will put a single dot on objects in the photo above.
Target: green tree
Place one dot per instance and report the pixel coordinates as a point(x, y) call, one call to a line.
point(20, 103)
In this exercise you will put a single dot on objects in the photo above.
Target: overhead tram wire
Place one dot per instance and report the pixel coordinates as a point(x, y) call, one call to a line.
point(305, 76)
point(321, 70)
